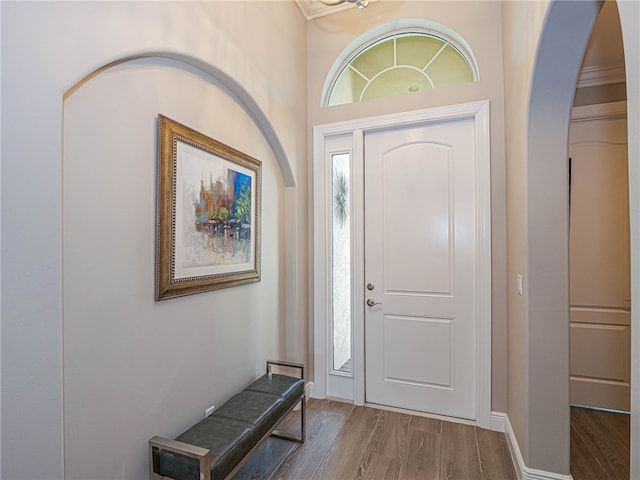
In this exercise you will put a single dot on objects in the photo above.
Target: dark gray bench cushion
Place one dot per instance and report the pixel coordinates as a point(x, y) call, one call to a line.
point(227, 439)
point(252, 408)
point(282, 385)
point(235, 428)
point(260, 411)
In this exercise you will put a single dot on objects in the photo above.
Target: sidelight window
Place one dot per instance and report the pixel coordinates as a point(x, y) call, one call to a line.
point(341, 262)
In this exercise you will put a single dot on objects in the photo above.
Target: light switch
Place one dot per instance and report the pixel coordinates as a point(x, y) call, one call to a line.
point(519, 283)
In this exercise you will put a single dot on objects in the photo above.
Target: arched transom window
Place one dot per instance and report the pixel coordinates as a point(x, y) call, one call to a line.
point(399, 63)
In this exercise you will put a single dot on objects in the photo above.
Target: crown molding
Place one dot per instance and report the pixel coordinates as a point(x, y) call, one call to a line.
point(599, 111)
point(601, 75)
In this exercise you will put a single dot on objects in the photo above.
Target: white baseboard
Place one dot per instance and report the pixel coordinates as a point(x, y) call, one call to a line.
point(498, 421)
point(310, 390)
point(524, 472)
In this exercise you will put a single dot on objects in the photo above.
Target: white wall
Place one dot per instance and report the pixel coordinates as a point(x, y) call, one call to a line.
point(78, 310)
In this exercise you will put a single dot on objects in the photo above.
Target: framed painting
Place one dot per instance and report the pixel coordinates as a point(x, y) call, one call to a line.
point(208, 213)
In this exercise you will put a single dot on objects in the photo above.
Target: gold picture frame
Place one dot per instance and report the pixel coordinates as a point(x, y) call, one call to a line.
point(208, 213)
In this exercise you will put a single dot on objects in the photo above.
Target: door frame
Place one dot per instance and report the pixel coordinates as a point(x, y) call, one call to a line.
point(352, 387)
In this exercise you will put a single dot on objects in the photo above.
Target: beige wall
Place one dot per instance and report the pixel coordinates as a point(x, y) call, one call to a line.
point(78, 317)
point(175, 355)
point(480, 26)
point(519, 48)
point(604, 50)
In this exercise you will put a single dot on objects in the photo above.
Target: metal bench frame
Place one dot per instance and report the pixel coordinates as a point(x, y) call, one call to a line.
point(203, 455)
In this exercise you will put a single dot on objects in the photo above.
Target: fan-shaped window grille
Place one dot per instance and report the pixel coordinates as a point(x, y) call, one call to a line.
point(400, 63)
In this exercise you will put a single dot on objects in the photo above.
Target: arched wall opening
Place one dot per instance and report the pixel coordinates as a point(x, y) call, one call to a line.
point(116, 338)
point(563, 40)
point(226, 83)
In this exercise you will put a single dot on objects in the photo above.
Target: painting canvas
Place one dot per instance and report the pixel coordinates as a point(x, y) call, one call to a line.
point(208, 213)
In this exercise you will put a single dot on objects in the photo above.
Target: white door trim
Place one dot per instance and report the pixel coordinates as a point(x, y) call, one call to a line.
point(479, 111)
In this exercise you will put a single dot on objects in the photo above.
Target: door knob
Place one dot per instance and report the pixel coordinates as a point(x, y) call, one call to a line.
point(371, 303)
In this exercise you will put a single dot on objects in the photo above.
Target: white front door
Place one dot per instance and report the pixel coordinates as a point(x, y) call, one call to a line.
point(421, 249)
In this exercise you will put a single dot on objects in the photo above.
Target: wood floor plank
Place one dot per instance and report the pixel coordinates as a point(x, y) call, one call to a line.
point(343, 458)
point(459, 454)
point(621, 425)
point(608, 450)
point(495, 458)
point(584, 466)
point(616, 424)
point(423, 456)
point(391, 437)
point(377, 467)
point(426, 424)
point(326, 419)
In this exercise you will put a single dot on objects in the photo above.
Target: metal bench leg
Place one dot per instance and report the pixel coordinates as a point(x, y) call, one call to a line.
point(202, 455)
point(303, 419)
point(300, 438)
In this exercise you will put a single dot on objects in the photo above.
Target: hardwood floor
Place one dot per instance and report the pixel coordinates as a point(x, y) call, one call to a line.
point(356, 443)
point(345, 442)
point(599, 445)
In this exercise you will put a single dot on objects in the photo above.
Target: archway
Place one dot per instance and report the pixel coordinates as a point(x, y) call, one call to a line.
point(228, 84)
point(108, 136)
point(562, 43)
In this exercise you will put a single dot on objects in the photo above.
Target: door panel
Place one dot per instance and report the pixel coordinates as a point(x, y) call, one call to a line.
point(427, 338)
point(417, 218)
point(599, 223)
point(599, 265)
point(420, 254)
point(593, 345)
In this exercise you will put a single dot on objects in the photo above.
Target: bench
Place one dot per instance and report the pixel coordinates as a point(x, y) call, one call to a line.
point(216, 447)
